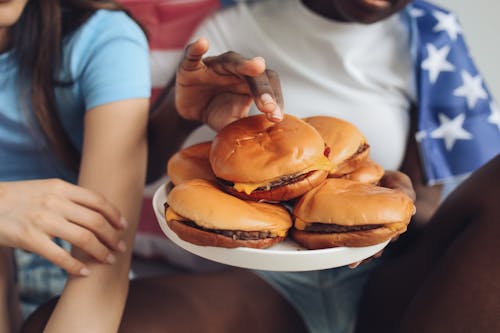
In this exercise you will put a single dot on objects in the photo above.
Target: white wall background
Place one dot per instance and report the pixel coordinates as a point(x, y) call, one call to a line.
point(481, 27)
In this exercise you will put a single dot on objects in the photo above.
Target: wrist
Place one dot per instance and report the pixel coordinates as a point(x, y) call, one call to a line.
point(164, 112)
point(187, 126)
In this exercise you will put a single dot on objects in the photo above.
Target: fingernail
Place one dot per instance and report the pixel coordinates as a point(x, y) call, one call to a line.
point(266, 98)
point(123, 222)
point(84, 271)
point(122, 246)
point(277, 115)
point(352, 266)
point(111, 259)
point(260, 59)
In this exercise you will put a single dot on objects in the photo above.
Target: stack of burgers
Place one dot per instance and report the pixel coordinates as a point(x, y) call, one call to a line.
point(259, 182)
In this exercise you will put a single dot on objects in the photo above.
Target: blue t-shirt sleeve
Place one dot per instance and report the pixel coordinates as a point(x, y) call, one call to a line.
point(111, 59)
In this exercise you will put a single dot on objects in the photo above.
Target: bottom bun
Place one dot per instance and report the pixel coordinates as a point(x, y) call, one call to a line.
point(206, 238)
point(281, 193)
point(316, 240)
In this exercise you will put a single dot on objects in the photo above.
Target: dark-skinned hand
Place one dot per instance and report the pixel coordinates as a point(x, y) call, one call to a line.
point(219, 90)
point(398, 181)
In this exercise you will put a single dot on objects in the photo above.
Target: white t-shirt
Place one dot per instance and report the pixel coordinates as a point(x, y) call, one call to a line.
point(360, 73)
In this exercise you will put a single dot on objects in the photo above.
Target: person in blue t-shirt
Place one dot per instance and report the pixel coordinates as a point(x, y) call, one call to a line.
point(74, 92)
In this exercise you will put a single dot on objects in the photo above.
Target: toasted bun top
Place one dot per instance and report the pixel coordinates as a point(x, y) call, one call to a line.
point(343, 138)
point(347, 202)
point(203, 203)
point(189, 163)
point(369, 172)
point(253, 149)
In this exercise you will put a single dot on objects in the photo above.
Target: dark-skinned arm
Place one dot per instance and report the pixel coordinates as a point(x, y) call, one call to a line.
point(428, 197)
point(167, 130)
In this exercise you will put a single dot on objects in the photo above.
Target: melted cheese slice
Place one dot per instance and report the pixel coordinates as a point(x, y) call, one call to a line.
point(323, 163)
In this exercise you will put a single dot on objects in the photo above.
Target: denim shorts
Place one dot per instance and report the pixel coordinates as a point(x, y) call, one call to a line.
point(328, 299)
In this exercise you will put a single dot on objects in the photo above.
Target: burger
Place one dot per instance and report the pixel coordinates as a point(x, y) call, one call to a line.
point(202, 214)
point(368, 172)
point(348, 146)
point(190, 163)
point(256, 159)
point(343, 212)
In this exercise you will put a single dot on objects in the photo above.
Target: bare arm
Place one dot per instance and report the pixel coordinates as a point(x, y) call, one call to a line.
point(10, 311)
point(427, 197)
point(167, 130)
point(114, 165)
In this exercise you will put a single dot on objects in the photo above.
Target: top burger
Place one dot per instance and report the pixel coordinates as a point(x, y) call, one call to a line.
point(256, 159)
point(348, 147)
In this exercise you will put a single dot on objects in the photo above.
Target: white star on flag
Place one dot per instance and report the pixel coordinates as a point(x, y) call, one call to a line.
point(448, 23)
point(471, 89)
point(420, 135)
point(436, 62)
point(415, 12)
point(494, 117)
point(451, 130)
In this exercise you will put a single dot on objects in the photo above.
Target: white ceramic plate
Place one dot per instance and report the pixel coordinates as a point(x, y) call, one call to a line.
point(285, 256)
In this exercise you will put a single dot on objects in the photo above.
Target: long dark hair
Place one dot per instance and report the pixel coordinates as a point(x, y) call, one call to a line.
point(36, 40)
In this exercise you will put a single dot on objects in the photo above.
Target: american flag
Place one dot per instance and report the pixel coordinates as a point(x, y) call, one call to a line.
point(459, 122)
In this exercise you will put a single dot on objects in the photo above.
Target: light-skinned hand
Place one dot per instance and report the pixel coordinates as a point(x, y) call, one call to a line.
point(32, 213)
